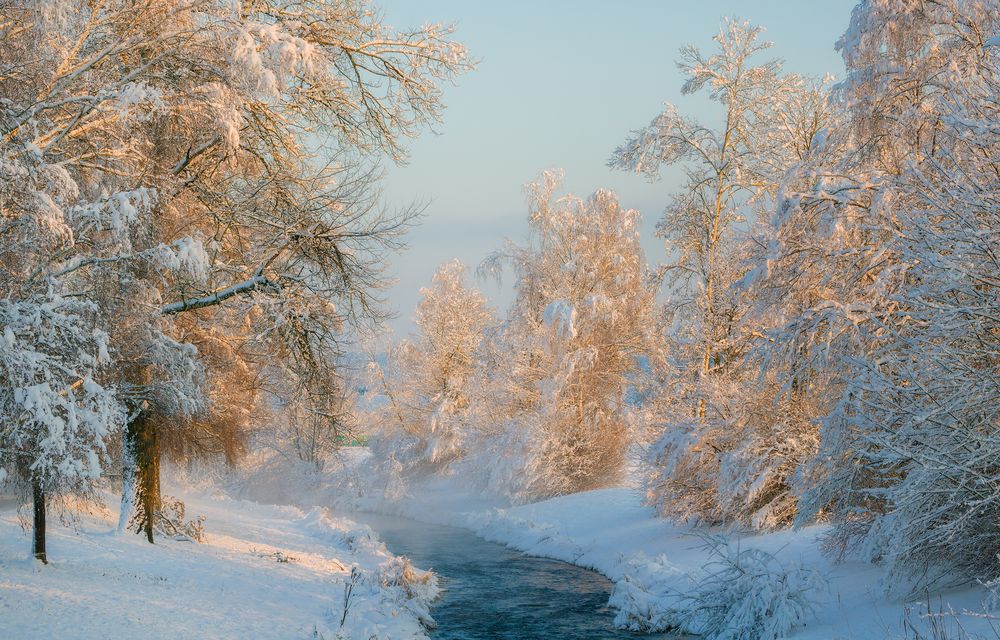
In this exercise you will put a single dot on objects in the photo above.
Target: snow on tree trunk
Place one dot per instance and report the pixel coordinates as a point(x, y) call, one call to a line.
point(128, 483)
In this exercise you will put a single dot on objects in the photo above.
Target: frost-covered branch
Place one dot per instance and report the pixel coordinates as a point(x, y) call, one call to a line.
point(247, 286)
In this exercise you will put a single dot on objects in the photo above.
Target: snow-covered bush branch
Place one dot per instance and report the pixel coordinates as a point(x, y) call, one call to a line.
point(741, 594)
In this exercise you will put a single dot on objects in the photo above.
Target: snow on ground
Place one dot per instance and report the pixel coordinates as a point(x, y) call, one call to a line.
point(612, 532)
point(264, 572)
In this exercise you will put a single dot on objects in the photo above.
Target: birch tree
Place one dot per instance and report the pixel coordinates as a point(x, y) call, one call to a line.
point(724, 169)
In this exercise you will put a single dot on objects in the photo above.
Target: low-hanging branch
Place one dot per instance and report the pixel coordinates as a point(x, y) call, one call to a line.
point(258, 281)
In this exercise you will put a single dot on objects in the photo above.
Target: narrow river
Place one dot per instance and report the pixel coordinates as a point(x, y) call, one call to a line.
point(496, 593)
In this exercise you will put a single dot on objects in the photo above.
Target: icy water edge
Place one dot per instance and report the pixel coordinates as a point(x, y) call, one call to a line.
point(492, 592)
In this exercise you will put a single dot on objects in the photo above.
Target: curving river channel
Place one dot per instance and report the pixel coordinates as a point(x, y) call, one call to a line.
point(493, 592)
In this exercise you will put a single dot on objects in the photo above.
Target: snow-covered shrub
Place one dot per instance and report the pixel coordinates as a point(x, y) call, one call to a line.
point(643, 594)
point(741, 594)
point(400, 572)
point(737, 465)
point(414, 588)
point(510, 461)
point(170, 521)
point(680, 475)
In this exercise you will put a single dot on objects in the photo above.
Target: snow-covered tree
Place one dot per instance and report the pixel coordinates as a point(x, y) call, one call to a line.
point(582, 316)
point(725, 168)
point(905, 461)
point(220, 155)
point(427, 416)
point(721, 453)
point(779, 394)
point(56, 420)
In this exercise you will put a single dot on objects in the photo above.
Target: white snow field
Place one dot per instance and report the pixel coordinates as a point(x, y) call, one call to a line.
point(264, 572)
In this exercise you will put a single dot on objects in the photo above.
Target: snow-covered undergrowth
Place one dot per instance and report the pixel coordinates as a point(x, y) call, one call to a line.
point(263, 572)
point(739, 593)
point(665, 575)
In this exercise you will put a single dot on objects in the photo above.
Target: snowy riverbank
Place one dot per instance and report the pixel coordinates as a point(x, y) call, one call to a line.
point(263, 572)
point(649, 558)
point(282, 571)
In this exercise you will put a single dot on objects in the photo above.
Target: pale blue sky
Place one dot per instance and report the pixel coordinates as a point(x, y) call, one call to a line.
point(560, 83)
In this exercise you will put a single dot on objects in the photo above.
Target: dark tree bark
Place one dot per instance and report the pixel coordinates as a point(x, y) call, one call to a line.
point(38, 506)
point(143, 438)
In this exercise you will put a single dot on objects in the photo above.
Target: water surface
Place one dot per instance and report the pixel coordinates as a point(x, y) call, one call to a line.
point(498, 593)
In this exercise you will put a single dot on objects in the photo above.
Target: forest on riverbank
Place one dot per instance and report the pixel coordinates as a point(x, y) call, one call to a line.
point(193, 247)
point(828, 349)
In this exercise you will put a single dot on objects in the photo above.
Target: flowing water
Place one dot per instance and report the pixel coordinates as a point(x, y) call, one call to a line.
point(497, 593)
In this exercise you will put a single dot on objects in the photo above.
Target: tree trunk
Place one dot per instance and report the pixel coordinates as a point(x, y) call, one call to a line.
point(145, 446)
point(706, 359)
point(38, 506)
point(128, 482)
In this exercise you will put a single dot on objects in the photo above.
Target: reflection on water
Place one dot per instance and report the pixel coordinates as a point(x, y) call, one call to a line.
point(497, 593)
